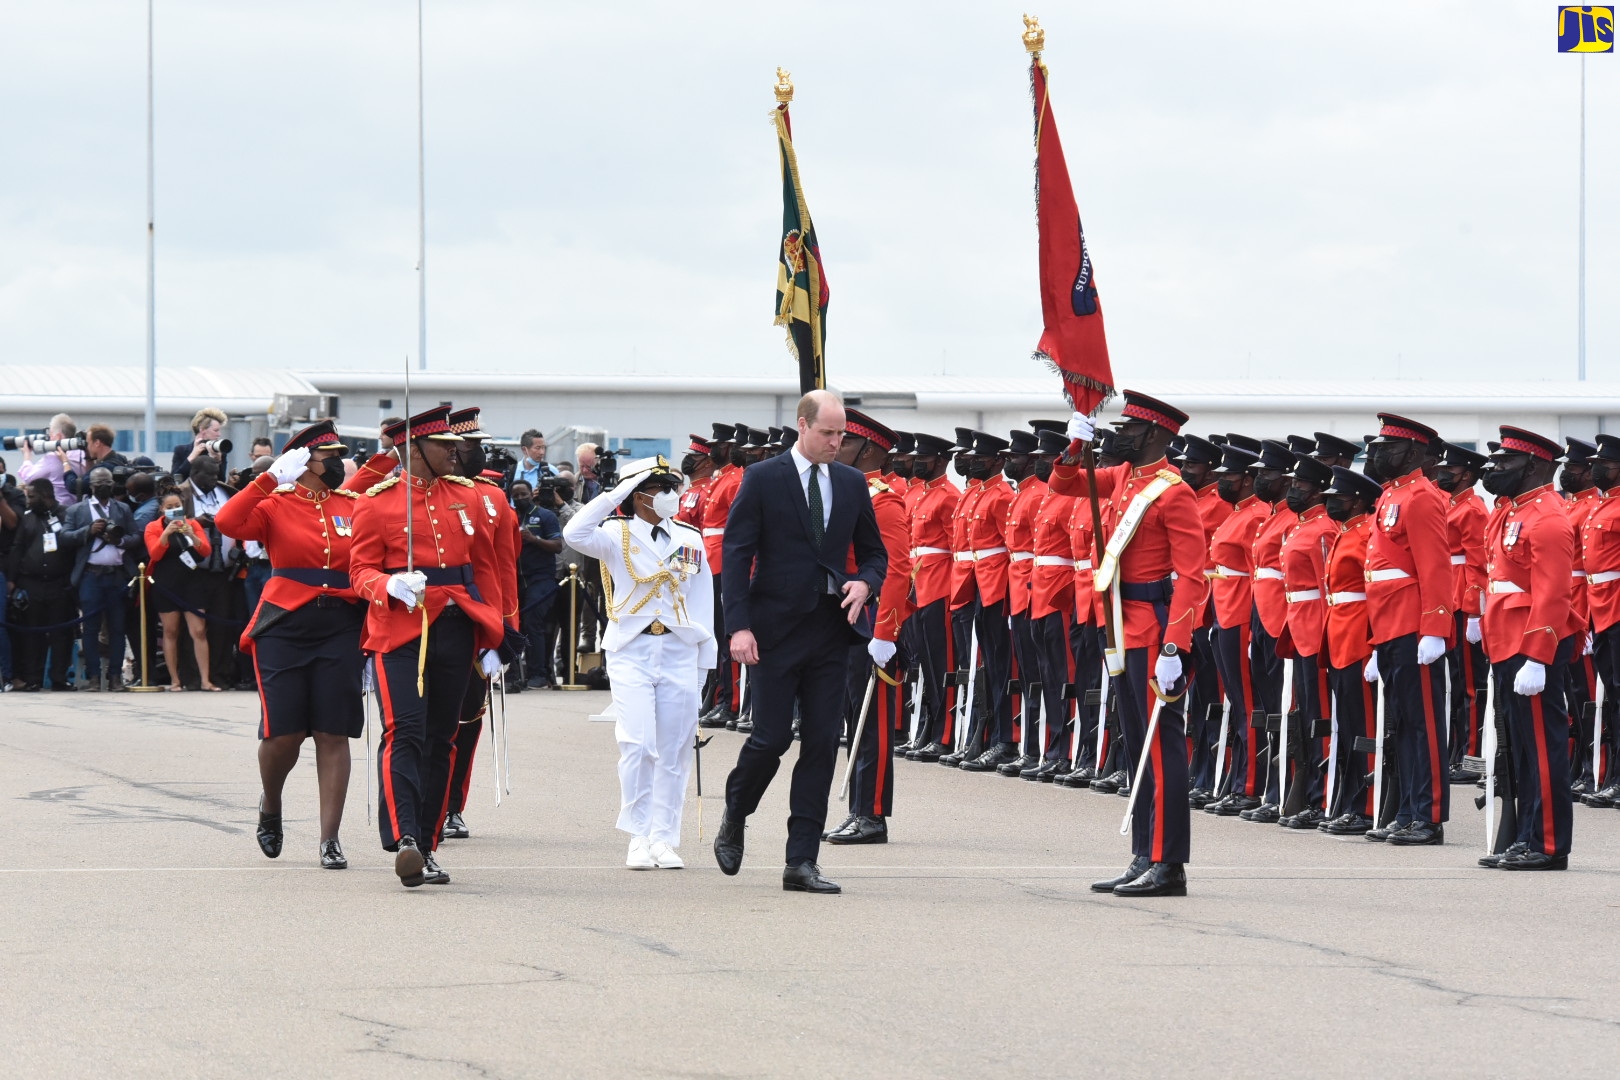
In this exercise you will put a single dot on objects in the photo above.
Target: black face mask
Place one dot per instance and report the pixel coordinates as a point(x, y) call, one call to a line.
point(1230, 488)
point(1448, 481)
point(102, 492)
point(1299, 500)
point(473, 459)
point(1604, 476)
point(1386, 461)
point(961, 466)
point(1502, 481)
point(332, 472)
point(1043, 470)
point(738, 458)
point(1015, 472)
point(1340, 508)
point(1125, 446)
point(1271, 488)
point(980, 469)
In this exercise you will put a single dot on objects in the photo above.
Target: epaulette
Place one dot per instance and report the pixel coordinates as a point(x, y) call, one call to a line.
point(462, 480)
point(345, 492)
point(673, 524)
point(384, 486)
point(283, 489)
point(485, 480)
point(876, 486)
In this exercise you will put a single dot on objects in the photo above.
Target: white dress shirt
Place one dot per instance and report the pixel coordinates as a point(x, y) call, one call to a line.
point(103, 553)
point(802, 463)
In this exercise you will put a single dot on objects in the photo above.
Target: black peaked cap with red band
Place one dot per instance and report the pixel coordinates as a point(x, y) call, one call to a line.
point(321, 435)
point(1517, 440)
point(862, 426)
point(1138, 406)
point(464, 422)
point(1391, 427)
point(698, 445)
point(431, 424)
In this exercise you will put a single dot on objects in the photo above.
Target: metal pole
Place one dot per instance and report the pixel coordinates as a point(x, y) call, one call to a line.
point(150, 440)
point(421, 208)
point(1580, 349)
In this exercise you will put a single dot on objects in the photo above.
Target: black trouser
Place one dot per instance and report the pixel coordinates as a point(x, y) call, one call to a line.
point(1538, 730)
point(1415, 706)
point(1056, 659)
point(1203, 709)
point(473, 707)
point(1607, 655)
point(1268, 686)
point(966, 726)
point(1161, 827)
point(1243, 771)
point(418, 731)
point(1312, 702)
point(1354, 704)
point(535, 618)
point(995, 652)
point(1580, 687)
point(1024, 709)
point(51, 602)
point(1086, 642)
point(809, 666)
point(936, 651)
point(871, 783)
point(1466, 673)
point(222, 617)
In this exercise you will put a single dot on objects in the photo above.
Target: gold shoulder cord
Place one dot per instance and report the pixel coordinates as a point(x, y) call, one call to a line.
point(662, 579)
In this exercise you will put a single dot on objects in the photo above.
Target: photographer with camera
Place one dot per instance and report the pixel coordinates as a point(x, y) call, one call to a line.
point(59, 454)
point(177, 547)
point(222, 594)
point(537, 573)
point(39, 571)
point(596, 467)
point(13, 505)
point(101, 530)
point(98, 450)
point(205, 442)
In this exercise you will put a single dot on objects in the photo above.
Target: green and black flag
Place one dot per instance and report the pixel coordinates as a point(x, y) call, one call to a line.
point(801, 286)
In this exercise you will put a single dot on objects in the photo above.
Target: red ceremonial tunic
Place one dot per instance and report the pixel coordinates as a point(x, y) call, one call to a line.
point(1087, 607)
point(1600, 554)
point(933, 508)
point(300, 530)
point(716, 509)
point(1231, 563)
point(1268, 573)
point(1304, 561)
point(1408, 562)
point(894, 603)
point(1349, 637)
point(987, 527)
point(501, 556)
point(1465, 534)
point(1052, 570)
point(377, 468)
point(692, 500)
point(1579, 507)
point(1531, 548)
point(1213, 510)
point(963, 583)
point(1020, 533)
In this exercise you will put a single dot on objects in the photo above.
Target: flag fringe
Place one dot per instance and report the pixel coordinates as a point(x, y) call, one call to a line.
point(1071, 379)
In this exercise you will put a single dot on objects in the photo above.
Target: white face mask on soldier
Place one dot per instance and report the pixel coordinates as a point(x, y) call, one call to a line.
point(666, 504)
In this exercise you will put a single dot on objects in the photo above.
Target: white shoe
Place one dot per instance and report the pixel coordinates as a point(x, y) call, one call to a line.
point(665, 856)
point(640, 858)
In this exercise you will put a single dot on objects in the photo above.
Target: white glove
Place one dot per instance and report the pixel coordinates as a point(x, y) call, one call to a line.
point(1531, 679)
point(1370, 672)
point(291, 465)
point(1081, 427)
point(1472, 632)
point(626, 486)
point(408, 587)
point(1587, 651)
point(880, 651)
point(1167, 669)
point(1430, 649)
point(490, 662)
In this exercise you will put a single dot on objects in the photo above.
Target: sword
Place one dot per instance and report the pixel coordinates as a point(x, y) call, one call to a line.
point(916, 704)
point(494, 743)
point(1282, 741)
point(1220, 745)
point(1490, 765)
point(1102, 719)
point(1378, 760)
point(410, 532)
point(1141, 765)
point(1597, 736)
point(499, 682)
point(965, 707)
point(1333, 755)
point(366, 686)
point(860, 727)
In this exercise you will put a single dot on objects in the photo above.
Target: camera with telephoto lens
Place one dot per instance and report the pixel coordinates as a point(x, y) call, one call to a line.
point(217, 446)
point(607, 468)
point(41, 445)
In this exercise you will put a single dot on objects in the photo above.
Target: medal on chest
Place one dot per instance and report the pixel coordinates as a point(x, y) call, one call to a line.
point(1392, 514)
point(466, 522)
point(683, 561)
point(1510, 535)
point(489, 507)
point(343, 526)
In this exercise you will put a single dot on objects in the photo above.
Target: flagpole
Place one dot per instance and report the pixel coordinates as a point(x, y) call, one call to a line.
point(1580, 347)
point(421, 207)
point(150, 439)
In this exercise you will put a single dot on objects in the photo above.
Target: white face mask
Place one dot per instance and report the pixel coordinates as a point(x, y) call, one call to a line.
point(666, 504)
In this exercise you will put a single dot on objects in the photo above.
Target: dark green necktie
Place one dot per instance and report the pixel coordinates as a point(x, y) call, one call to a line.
point(818, 526)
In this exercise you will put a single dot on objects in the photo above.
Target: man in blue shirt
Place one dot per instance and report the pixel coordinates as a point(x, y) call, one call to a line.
point(532, 467)
point(537, 574)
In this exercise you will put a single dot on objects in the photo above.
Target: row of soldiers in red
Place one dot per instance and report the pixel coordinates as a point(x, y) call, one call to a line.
point(418, 573)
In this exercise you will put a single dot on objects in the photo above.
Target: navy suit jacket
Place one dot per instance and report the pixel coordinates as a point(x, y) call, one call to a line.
point(774, 575)
point(76, 530)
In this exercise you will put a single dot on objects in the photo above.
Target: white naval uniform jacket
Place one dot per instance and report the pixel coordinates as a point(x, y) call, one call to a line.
point(592, 531)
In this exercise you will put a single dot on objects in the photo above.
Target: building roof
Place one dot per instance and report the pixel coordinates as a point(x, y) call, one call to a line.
point(49, 388)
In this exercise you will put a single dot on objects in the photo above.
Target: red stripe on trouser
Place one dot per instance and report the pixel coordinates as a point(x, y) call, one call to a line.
point(1436, 777)
point(385, 757)
point(437, 827)
point(1369, 722)
point(885, 729)
point(951, 691)
point(1246, 676)
point(1156, 765)
point(1549, 830)
point(472, 752)
point(264, 706)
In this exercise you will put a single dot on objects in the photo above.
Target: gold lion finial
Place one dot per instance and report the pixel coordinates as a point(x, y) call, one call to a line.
point(784, 86)
point(1034, 36)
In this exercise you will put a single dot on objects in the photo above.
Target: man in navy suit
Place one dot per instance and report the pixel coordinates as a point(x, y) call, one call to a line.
point(802, 557)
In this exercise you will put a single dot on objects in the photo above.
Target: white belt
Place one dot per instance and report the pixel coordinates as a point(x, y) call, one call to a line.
point(1577, 573)
point(961, 556)
point(1266, 573)
point(1603, 577)
point(1022, 556)
point(985, 553)
point(916, 551)
point(714, 532)
point(1503, 587)
point(1459, 560)
point(1391, 574)
point(1059, 560)
point(1346, 598)
point(1303, 594)
point(1225, 571)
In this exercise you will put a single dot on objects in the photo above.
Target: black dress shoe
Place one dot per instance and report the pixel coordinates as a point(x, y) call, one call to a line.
point(1160, 879)
point(841, 826)
point(1384, 832)
point(1051, 770)
point(1347, 825)
point(728, 846)
point(745, 724)
point(863, 830)
point(270, 836)
point(1604, 797)
point(1535, 860)
point(1138, 867)
point(952, 760)
point(454, 828)
point(432, 872)
point(806, 877)
point(928, 752)
point(991, 759)
point(718, 718)
point(1419, 834)
point(332, 856)
point(1265, 814)
point(408, 862)
point(1017, 765)
point(1494, 862)
point(902, 749)
point(1460, 775)
point(1308, 818)
point(1079, 778)
point(1109, 784)
point(1580, 787)
point(1198, 798)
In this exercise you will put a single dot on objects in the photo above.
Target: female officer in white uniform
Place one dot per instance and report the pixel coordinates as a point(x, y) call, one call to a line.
point(659, 645)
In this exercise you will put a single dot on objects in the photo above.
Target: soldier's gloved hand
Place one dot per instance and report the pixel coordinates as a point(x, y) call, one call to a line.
point(1167, 670)
point(626, 486)
point(1081, 427)
point(1472, 632)
point(1531, 679)
point(1430, 648)
point(1587, 651)
point(880, 651)
point(408, 587)
point(490, 662)
point(1370, 672)
point(291, 465)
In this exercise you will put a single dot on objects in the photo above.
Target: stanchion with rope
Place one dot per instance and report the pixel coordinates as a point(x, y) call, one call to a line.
point(146, 686)
point(573, 682)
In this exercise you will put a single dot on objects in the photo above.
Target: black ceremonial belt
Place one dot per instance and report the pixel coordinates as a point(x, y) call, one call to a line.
point(313, 576)
point(440, 575)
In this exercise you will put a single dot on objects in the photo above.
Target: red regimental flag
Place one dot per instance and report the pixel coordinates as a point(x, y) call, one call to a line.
point(1073, 341)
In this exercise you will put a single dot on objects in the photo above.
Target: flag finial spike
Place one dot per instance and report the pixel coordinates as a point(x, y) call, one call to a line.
point(1034, 36)
point(784, 86)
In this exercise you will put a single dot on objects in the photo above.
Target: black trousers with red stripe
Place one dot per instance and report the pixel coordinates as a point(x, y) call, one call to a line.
point(963, 631)
point(1026, 668)
point(871, 781)
point(1538, 728)
point(1466, 673)
point(1312, 701)
point(1267, 694)
point(995, 652)
point(1242, 772)
point(936, 653)
point(1161, 826)
point(1580, 687)
point(1086, 643)
point(1607, 654)
point(467, 734)
point(1354, 702)
point(418, 731)
point(1203, 708)
point(1416, 709)
point(1055, 660)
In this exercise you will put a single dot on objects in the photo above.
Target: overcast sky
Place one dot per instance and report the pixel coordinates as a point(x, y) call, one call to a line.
point(1270, 189)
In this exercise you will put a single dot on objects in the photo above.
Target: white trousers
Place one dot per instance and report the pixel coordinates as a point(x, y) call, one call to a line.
point(657, 684)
